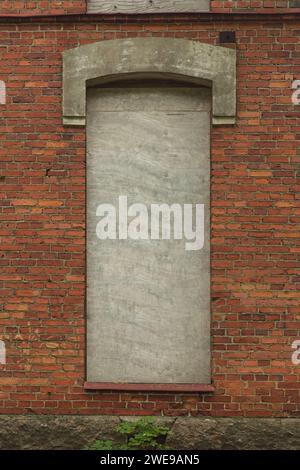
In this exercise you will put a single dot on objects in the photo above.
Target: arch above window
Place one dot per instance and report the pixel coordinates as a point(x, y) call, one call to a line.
point(143, 58)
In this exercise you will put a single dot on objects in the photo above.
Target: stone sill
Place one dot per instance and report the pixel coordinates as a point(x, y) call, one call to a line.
point(139, 387)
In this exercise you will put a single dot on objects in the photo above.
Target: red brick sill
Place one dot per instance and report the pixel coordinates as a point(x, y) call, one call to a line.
point(182, 388)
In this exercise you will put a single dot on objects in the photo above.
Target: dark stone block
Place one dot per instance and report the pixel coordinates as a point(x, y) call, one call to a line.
point(203, 433)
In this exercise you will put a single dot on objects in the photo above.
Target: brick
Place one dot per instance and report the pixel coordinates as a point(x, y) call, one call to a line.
point(255, 218)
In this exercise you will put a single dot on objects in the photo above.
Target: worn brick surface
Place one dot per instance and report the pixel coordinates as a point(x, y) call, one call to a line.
point(251, 5)
point(255, 221)
point(42, 7)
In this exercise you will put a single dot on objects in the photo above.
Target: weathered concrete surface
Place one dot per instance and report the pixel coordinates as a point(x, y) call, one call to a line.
point(77, 432)
point(235, 433)
point(294, 4)
point(51, 432)
point(147, 6)
point(213, 66)
point(148, 300)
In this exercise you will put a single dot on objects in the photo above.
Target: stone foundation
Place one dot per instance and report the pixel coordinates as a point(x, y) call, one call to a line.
point(77, 432)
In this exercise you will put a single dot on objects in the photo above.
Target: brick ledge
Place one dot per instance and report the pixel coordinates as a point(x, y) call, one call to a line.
point(147, 387)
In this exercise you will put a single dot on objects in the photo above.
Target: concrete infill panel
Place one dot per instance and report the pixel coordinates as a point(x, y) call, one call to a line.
point(147, 6)
point(148, 298)
point(142, 58)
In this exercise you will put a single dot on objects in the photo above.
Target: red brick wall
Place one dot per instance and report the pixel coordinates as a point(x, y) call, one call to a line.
point(255, 225)
point(42, 7)
point(250, 5)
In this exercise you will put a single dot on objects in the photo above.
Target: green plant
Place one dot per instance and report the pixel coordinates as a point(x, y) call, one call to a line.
point(142, 434)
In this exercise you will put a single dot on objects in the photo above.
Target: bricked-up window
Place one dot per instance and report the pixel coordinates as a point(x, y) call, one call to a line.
point(147, 6)
point(148, 297)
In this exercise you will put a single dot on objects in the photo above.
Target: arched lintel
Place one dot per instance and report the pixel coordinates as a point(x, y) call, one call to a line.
point(145, 58)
